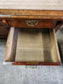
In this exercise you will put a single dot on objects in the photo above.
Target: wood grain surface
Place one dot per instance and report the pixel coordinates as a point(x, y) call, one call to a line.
point(31, 14)
point(29, 45)
point(37, 45)
point(4, 29)
point(22, 23)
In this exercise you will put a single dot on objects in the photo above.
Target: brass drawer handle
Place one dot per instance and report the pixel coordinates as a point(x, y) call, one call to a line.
point(31, 22)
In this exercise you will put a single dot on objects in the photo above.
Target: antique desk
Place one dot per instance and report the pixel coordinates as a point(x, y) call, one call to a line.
point(29, 26)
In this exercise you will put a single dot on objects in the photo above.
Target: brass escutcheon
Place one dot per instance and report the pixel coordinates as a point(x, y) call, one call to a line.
point(31, 22)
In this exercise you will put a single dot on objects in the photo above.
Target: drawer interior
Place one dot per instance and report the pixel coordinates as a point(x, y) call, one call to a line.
point(32, 45)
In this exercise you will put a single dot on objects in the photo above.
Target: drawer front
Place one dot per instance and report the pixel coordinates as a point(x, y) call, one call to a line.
point(48, 52)
point(25, 23)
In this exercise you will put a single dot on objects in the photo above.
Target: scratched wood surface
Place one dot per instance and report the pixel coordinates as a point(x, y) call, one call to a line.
point(32, 4)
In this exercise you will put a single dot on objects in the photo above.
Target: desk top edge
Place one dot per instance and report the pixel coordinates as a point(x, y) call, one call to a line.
point(31, 14)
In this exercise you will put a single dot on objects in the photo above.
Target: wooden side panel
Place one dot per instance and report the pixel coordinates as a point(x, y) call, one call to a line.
point(3, 32)
point(9, 45)
point(4, 29)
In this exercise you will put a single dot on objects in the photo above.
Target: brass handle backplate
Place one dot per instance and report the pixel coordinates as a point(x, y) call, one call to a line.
point(31, 22)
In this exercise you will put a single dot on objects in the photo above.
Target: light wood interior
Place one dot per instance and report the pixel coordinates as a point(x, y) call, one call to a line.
point(29, 45)
point(25, 45)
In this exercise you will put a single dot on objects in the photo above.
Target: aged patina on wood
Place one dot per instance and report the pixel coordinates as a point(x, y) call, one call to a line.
point(47, 12)
point(17, 18)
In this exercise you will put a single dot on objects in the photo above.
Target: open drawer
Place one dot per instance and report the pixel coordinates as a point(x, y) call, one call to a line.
point(32, 46)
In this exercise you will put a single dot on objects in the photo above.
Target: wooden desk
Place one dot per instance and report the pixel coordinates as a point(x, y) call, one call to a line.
point(30, 14)
point(45, 11)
